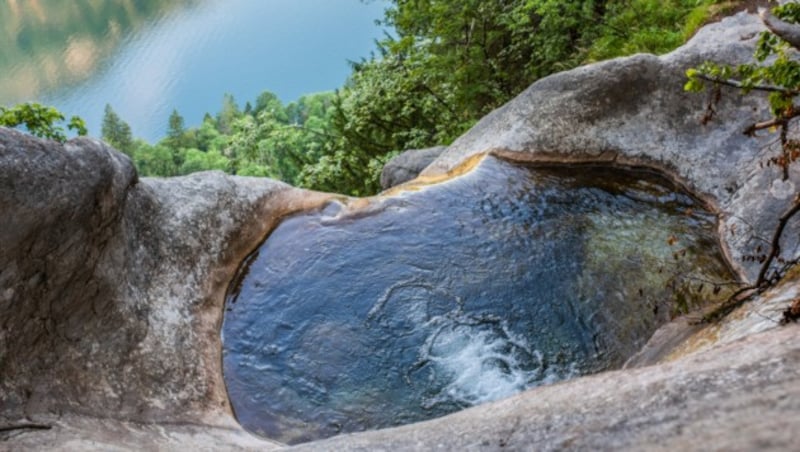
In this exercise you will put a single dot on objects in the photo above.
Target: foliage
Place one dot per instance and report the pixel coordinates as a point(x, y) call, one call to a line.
point(776, 71)
point(450, 63)
point(782, 72)
point(270, 139)
point(195, 160)
point(115, 131)
point(445, 65)
point(645, 26)
point(155, 160)
point(176, 132)
point(41, 121)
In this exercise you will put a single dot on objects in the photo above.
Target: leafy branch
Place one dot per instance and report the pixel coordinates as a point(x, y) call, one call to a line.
point(40, 121)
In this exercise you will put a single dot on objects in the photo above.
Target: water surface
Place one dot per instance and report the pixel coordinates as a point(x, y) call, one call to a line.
point(147, 57)
point(461, 293)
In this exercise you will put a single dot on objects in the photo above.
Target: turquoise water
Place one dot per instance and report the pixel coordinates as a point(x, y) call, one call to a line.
point(464, 292)
point(146, 58)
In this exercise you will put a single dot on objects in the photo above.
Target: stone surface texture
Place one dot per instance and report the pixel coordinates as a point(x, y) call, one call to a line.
point(408, 165)
point(742, 396)
point(112, 288)
point(633, 111)
point(71, 433)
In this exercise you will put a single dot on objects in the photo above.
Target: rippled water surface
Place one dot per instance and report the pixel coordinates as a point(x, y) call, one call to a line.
point(460, 293)
point(147, 57)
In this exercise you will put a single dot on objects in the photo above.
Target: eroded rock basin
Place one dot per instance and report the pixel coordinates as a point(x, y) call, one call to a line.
point(423, 303)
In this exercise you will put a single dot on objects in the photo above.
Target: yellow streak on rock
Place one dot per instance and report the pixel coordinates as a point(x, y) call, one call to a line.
point(424, 181)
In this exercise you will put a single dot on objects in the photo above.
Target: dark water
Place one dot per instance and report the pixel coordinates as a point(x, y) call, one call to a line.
point(147, 58)
point(461, 293)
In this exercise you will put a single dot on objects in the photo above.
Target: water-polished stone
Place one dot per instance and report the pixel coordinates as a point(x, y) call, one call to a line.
point(426, 302)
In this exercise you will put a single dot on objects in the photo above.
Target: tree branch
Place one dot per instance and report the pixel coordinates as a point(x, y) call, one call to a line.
point(775, 247)
point(763, 281)
point(740, 85)
point(774, 122)
point(780, 121)
point(789, 32)
point(767, 276)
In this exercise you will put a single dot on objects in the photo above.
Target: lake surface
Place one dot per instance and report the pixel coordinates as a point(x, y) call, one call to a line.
point(146, 58)
point(464, 292)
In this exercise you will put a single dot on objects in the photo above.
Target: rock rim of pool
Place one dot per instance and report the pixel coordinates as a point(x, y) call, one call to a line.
point(427, 302)
point(112, 287)
point(634, 111)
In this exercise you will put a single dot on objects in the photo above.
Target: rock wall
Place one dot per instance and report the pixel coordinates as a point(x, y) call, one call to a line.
point(633, 111)
point(112, 287)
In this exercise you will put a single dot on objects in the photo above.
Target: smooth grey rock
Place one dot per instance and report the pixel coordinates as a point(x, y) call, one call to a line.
point(633, 111)
point(407, 165)
point(743, 396)
point(112, 288)
point(72, 433)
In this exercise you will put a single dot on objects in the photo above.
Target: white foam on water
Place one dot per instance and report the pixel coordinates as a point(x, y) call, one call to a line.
point(476, 363)
point(478, 369)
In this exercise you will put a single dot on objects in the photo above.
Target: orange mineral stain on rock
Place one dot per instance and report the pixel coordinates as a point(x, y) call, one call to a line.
point(424, 181)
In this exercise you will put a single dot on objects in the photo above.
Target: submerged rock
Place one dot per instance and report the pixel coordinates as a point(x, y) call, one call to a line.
point(426, 302)
point(634, 111)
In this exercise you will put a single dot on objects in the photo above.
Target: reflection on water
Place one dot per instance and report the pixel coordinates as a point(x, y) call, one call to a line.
point(53, 43)
point(147, 58)
point(461, 293)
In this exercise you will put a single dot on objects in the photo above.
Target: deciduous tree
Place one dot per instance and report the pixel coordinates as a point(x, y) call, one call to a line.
point(40, 120)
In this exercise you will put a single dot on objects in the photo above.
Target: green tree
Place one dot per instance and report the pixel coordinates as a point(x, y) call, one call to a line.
point(176, 131)
point(41, 121)
point(196, 160)
point(228, 114)
point(279, 141)
point(207, 137)
point(448, 64)
point(268, 101)
point(155, 160)
point(633, 26)
point(116, 132)
point(253, 169)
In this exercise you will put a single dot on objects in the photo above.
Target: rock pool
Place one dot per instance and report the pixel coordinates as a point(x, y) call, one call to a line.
point(415, 305)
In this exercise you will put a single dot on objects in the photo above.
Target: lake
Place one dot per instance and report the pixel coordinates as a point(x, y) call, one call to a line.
point(148, 58)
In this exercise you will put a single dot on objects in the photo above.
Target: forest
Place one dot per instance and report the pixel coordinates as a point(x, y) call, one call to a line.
point(442, 66)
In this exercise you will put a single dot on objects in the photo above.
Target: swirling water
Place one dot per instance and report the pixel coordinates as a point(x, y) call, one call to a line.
point(464, 292)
